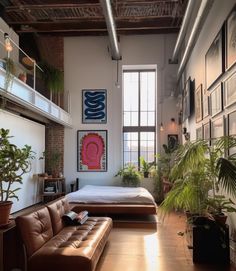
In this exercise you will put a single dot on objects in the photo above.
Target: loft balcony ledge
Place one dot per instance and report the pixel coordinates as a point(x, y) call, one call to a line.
point(24, 95)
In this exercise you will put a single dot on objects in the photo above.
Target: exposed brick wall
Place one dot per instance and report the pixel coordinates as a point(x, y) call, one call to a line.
point(52, 50)
point(54, 146)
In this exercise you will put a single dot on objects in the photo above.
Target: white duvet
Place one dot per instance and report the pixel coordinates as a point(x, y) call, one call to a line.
point(111, 194)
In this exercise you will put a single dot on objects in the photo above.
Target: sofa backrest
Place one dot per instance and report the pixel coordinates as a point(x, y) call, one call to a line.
point(35, 229)
point(57, 209)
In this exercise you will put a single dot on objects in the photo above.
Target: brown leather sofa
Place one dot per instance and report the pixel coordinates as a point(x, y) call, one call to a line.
point(50, 245)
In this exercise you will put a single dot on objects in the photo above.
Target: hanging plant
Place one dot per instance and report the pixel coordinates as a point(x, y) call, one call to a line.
point(10, 72)
point(52, 77)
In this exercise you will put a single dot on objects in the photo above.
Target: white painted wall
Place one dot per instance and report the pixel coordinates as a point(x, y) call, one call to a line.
point(196, 64)
point(31, 133)
point(88, 65)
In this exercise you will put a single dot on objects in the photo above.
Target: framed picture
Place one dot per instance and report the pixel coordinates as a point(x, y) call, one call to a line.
point(199, 133)
point(232, 128)
point(198, 103)
point(216, 100)
point(94, 106)
point(217, 128)
point(231, 39)
point(207, 131)
point(173, 141)
point(186, 104)
point(92, 150)
point(230, 90)
point(205, 106)
point(214, 60)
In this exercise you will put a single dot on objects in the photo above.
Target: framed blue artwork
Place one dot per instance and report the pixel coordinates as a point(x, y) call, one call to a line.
point(94, 106)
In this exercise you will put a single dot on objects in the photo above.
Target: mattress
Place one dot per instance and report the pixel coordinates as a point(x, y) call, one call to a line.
point(91, 194)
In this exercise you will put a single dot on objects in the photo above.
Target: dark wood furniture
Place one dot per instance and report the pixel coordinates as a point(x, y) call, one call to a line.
point(11, 251)
point(52, 188)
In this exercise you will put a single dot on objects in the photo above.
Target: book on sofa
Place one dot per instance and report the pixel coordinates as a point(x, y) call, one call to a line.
point(72, 218)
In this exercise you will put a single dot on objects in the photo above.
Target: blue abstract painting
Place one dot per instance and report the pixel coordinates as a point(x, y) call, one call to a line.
point(94, 105)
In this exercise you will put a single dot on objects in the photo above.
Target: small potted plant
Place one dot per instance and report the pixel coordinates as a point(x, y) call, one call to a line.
point(22, 76)
point(218, 206)
point(130, 175)
point(146, 167)
point(14, 163)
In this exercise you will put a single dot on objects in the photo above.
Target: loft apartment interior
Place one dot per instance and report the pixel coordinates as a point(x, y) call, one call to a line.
point(117, 140)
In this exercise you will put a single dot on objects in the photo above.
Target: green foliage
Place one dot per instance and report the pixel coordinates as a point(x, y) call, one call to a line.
point(53, 77)
point(14, 162)
point(52, 159)
point(219, 204)
point(10, 72)
point(199, 168)
point(146, 167)
point(130, 175)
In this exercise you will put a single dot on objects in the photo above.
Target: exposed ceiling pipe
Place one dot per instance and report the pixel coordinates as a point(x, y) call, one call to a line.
point(199, 21)
point(183, 30)
point(107, 11)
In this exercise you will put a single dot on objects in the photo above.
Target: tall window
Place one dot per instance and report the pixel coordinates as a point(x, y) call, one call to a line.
point(139, 113)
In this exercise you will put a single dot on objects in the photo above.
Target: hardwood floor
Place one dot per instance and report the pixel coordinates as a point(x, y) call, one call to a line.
point(132, 249)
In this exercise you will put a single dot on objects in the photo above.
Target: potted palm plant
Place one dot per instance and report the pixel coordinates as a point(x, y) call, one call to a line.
point(199, 168)
point(202, 175)
point(14, 163)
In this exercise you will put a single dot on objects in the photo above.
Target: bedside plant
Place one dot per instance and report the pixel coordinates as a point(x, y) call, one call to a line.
point(130, 175)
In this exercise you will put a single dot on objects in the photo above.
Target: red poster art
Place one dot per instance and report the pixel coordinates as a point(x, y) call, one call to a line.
point(92, 150)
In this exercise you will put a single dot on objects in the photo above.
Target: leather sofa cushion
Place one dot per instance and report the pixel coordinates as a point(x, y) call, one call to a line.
point(57, 209)
point(74, 248)
point(35, 229)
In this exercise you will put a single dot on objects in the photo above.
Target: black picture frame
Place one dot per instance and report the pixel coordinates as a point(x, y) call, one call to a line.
point(214, 60)
point(173, 141)
point(232, 128)
point(199, 133)
point(216, 103)
point(94, 106)
point(206, 127)
point(186, 103)
point(198, 104)
point(92, 150)
point(230, 47)
point(205, 106)
point(217, 129)
point(230, 90)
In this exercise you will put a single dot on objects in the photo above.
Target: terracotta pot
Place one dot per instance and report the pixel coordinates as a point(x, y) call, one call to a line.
point(22, 77)
point(221, 219)
point(5, 209)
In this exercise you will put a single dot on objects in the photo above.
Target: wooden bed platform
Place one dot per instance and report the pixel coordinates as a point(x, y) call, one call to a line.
point(107, 209)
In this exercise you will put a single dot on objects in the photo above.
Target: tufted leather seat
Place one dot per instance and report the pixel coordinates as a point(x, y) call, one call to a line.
point(52, 246)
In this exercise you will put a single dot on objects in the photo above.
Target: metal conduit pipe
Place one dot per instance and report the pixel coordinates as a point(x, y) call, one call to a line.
point(200, 19)
point(183, 30)
point(107, 11)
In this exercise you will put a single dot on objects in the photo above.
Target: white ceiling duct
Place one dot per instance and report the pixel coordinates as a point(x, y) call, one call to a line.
point(111, 28)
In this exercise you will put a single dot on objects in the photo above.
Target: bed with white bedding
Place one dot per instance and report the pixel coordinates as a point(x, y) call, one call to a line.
point(112, 199)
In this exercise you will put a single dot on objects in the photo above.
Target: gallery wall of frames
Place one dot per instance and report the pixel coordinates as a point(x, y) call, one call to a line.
point(215, 104)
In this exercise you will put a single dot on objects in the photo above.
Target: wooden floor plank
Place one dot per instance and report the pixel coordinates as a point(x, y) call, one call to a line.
point(140, 249)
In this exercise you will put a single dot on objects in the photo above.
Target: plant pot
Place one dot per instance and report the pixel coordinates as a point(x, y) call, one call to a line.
point(5, 209)
point(145, 174)
point(221, 219)
point(22, 77)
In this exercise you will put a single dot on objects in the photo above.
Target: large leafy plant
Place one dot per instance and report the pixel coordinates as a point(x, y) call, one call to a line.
point(130, 175)
point(199, 168)
point(14, 162)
